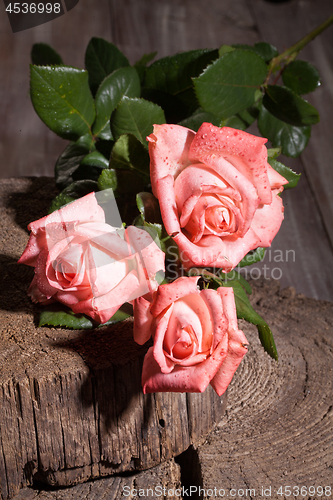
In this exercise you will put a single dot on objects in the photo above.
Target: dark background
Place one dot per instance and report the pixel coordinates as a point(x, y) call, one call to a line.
point(28, 148)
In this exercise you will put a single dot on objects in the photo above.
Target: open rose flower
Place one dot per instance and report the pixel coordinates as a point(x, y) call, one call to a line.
point(217, 193)
point(88, 265)
point(196, 337)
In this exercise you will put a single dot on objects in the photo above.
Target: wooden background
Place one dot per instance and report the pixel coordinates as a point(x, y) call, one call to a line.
point(28, 148)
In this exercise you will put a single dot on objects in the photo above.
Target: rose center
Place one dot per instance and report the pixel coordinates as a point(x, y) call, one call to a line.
point(184, 345)
point(217, 218)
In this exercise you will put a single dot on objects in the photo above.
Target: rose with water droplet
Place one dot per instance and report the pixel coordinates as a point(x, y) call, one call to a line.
point(218, 194)
point(196, 338)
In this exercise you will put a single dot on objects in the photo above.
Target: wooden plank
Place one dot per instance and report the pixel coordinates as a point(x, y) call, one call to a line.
point(283, 24)
point(172, 26)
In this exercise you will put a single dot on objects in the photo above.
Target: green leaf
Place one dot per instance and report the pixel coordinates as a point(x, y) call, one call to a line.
point(123, 81)
point(145, 59)
point(263, 49)
point(200, 116)
point(292, 140)
point(287, 106)
point(273, 152)
point(245, 311)
point(128, 153)
point(228, 86)
point(73, 192)
point(62, 99)
point(174, 108)
point(286, 172)
point(43, 55)
point(70, 159)
point(107, 180)
point(95, 159)
point(174, 74)
point(116, 318)
point(148, 207)
point(253, 256)
point(301, 77)
point(101, 59)
point(266, 50)
point(224, 49)
point(91, 167)
point(137, 117)
point(242, 120)
point(141, 64)
point(105, 147)
point(59, 315)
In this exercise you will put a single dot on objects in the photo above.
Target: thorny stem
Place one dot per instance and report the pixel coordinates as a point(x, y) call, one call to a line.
point(289, 55)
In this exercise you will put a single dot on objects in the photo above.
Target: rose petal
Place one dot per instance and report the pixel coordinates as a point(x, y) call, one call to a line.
point(165, 193)
point(142, 320)
point(267, 221)
point(181, 379)
point(103, 308)
point(86, 209)
point(168, 151)
point(246, 152)
point(167, 294)
point(237, 344)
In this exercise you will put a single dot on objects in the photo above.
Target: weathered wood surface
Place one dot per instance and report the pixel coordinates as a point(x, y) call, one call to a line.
point(72, 406)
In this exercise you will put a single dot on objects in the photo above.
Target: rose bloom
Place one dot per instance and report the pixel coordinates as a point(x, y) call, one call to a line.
point(217, 193)
point(196, 338)
point(88, 265)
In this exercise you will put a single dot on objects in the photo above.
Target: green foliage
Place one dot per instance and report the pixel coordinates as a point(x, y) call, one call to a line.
point(107, 179)
point(287, 106)
point(123, 81)
point(245, 311)
point(286, 172)
point(42, 55)
point(301, 77)
point(62, 99)
point(292, 140)
point(70, 159)
point(137, 117)
point(73, 192)
point(200, 116)
point(253, 256)
point(101, 59)
point(228, 86)
point(60, 315)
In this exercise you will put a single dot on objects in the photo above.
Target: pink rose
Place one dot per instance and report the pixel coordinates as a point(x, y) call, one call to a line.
point(196, 338)
point(88, 265)
point(217, 193)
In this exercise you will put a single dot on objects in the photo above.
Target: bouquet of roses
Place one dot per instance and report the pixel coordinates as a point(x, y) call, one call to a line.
point(163, 194)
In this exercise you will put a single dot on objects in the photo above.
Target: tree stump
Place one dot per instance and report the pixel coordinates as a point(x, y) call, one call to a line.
point(72, 406)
